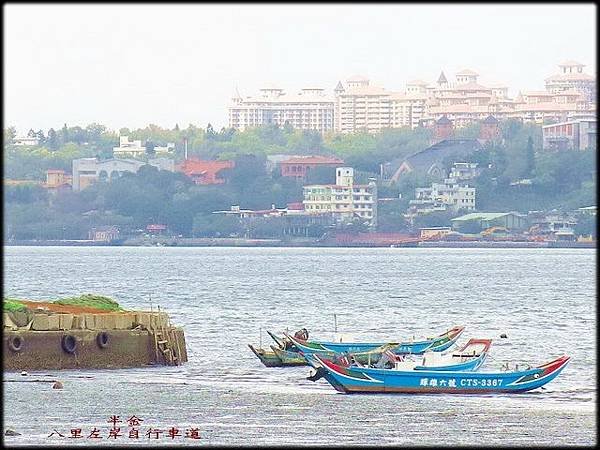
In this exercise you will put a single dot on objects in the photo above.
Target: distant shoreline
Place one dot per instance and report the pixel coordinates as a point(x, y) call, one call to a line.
point(268, 243)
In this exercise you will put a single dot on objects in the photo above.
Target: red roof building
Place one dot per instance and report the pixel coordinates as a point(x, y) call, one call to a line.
point(298, 167)
point(204, 172)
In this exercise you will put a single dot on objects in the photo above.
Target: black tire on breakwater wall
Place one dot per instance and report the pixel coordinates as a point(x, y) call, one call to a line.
point(102, 339)
point(69, 343)
point(16, 343)
point(127, 348)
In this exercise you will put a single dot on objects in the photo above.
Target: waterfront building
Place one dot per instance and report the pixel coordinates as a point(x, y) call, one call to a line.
point(309, 109)
point(204, 171)
point(434, 232)
point(298, 167)
point(293, 219)
point(89, 170)
point(588, 210)
point(345, 200)
point(104, 233)
point(128, 148)
point(508, 220)
point(577, 134)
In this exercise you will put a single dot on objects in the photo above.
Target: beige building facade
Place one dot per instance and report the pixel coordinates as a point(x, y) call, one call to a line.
point(358, 105)
point(344, 199)
point(309, 109)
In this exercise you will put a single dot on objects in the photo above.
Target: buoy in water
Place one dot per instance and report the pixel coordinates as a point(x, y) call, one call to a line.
point(503, 336)
point(57, 385)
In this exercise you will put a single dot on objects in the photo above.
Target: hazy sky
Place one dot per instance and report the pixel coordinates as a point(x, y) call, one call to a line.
point(131, 65)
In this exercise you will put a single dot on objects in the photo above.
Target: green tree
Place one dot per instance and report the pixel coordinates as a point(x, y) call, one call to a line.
point(9, 135)
point(52, 142)
point(530, 157)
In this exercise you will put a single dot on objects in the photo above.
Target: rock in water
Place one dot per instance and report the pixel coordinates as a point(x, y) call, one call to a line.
point(11, 432)
point(57, 385)
point(503, 336)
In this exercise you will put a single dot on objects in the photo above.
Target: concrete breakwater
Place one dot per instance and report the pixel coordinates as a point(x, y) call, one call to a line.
point(44, 340)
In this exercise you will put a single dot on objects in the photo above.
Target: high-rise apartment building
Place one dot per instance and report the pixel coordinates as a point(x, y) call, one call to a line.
point(360, 106)
point(309, 109)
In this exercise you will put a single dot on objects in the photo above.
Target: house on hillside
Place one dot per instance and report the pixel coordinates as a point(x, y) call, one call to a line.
point(90, 170)
point(57, 181)
point(430, 160)
point(299, 167)
point(204, 171)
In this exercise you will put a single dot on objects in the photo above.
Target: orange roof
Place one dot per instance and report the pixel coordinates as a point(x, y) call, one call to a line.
point(190, 166)
point(313, 160)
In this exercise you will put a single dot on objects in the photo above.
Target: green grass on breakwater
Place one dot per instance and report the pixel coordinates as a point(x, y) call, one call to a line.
point(91, 301)
point(13, 305)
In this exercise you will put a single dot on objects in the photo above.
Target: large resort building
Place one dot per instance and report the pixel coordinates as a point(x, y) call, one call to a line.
point(309, 109)
point(358, 105)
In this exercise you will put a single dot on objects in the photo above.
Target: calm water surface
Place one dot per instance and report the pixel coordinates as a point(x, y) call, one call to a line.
point(543, 299)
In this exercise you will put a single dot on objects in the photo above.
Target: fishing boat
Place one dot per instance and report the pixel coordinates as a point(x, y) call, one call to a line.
point(435, 344)
point(469, 357)
point(368, 380)
point(285, 354)
point(268, 358)
point(283, 343)
point(289, 358)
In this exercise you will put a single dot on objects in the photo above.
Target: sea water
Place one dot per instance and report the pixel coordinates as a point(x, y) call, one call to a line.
point(544, 300)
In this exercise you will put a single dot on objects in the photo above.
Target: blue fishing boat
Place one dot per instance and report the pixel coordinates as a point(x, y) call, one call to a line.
point(435, 344)
point(469, 357)
point(368, 380)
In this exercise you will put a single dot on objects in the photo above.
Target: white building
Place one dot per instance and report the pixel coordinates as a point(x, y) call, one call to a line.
point(310, 109)
point(128, 148)
point(164, 150)
point(344, 199)
point(453, 194)
point(89, 170)
point(25, 141)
